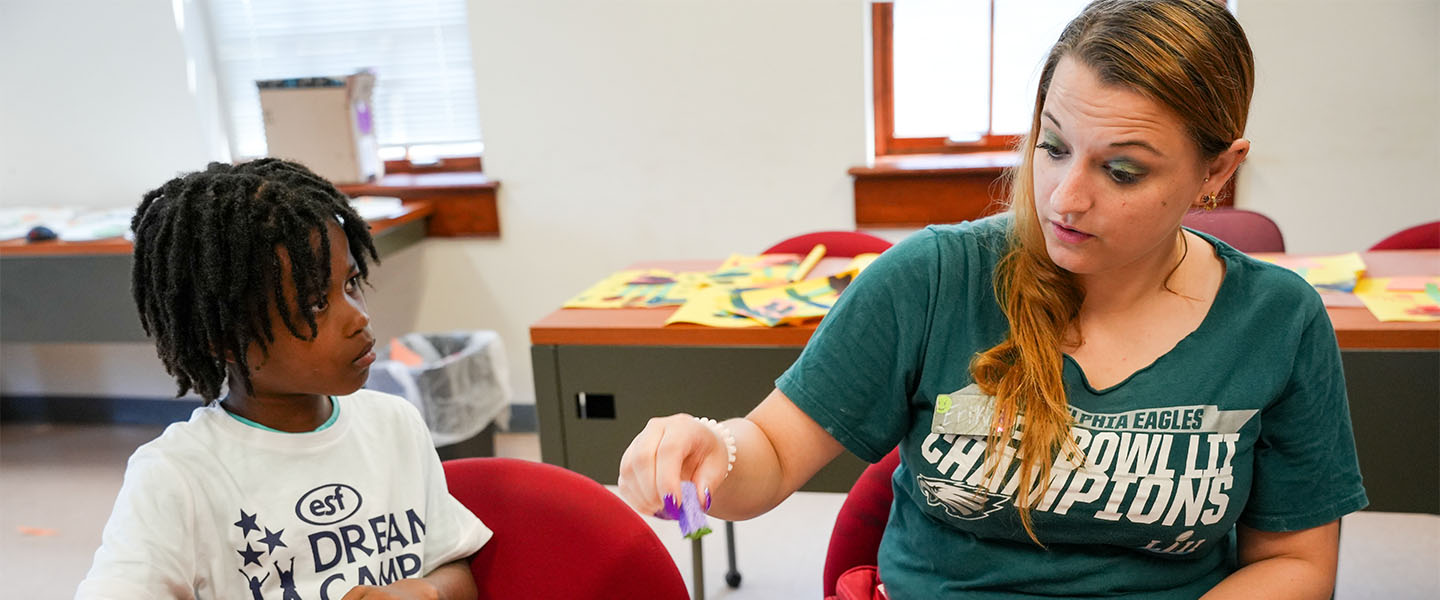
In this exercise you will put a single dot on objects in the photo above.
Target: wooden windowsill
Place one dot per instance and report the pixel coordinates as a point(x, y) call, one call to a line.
point(443, 165)
point(918, 165)
point(421, 181)
point(465, 202)
point(921, 189)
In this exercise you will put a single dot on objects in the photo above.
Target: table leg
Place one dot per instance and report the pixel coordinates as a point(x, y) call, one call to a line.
point(732, 577)
point(697, 567)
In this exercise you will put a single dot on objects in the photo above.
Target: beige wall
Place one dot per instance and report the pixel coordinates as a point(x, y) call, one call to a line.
point(633, 130)
point(638, 129)
point(1345, 123)
point(100, 101)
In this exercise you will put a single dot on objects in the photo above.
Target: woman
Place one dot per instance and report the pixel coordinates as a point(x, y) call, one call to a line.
point(1088, 399)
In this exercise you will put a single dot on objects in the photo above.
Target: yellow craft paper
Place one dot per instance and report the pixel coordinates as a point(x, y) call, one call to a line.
point(1340, 272)
point(642, 288)
point(738, 261)
point(803, 301)
point(747, 272)
point(1398, 306)
point(809, 299)
point(708, 307)
point(785, 304)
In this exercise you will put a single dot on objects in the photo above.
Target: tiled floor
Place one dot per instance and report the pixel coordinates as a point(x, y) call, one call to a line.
point(57, 484)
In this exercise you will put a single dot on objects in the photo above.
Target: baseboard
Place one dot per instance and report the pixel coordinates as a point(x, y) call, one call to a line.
point(523, 419)
point(149, 411)
point(89, 409)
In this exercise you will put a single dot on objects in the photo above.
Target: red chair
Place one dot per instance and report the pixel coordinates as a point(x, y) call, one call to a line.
point(843, 244)
point(558, 534)
point(1246, 230)
point(855, 541)
point(1419, 237)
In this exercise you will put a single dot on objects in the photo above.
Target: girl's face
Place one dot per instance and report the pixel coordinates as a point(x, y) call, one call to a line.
point(1114, 174)
point(337, 360)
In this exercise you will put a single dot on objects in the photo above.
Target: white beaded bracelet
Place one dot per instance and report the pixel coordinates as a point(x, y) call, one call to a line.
point(725, 436)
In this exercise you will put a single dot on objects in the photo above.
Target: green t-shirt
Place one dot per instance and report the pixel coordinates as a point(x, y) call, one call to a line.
point(1245, 420)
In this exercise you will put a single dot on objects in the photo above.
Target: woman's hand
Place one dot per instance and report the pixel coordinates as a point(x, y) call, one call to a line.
point(777, 449)
point(668, 451)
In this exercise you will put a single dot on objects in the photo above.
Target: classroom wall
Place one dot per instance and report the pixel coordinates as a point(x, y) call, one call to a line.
point(100, 101)
point(641, 129)
point(1345, 121)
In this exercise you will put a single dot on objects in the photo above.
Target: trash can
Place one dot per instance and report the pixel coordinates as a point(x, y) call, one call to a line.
point(459, 382)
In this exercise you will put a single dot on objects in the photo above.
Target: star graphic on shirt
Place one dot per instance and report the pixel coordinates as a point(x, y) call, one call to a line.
point(272, 539)
point(247, 522)
point(250, 555)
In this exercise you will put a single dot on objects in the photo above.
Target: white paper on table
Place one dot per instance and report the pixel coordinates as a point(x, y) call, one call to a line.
point(374, 208)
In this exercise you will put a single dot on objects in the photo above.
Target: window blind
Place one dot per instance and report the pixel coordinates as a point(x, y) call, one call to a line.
point(418, 49)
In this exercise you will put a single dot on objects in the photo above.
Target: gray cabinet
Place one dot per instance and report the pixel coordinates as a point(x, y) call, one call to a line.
point(592, 400)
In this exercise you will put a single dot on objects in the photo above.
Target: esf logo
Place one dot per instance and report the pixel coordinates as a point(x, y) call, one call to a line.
point(329, 503)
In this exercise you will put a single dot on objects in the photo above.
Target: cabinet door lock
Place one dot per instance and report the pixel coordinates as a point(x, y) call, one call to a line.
point(595, 406)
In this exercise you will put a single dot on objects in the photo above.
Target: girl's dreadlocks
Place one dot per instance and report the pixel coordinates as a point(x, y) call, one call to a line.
point(207, 265)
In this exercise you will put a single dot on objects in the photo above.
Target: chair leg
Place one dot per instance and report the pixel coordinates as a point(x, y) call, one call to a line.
point(697, 567)
point(732, 577)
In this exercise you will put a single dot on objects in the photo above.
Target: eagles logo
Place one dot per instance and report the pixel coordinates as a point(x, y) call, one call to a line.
point(961, 501)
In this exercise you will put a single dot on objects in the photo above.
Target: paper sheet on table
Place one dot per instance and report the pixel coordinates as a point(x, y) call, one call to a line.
point(709, 307)
point(740, 271)
point(17, 221)
point(96, 224)
point(1388, 305)
point(1340, 272)
point(1411, 284)
point(375, 208)
point(795, 303)
point(799, 302)
point(641, 288)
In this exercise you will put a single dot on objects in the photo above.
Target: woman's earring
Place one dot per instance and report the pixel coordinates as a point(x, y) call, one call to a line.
point(1210, 202)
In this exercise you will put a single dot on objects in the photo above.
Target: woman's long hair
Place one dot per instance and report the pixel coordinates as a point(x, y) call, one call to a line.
point(1188, 55)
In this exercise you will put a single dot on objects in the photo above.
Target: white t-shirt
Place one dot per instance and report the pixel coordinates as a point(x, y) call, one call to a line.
point(215, 508)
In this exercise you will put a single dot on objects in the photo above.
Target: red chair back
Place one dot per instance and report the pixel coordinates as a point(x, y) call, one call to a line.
point(1419, 237)
point(842, 244)
point(855, 541)
point(558, 534)
point(1246, 230)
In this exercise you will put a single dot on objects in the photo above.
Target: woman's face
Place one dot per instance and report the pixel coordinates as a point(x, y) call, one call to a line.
point(1114, 174)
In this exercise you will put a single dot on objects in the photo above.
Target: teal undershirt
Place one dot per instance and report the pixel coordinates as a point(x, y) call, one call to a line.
point(334, 414)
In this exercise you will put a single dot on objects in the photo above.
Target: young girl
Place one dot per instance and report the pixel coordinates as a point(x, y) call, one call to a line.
point(296, 483)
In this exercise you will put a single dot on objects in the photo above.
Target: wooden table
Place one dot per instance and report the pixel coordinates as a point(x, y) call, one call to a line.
point(1357, 329)
point(80, 291)
point(601, 373)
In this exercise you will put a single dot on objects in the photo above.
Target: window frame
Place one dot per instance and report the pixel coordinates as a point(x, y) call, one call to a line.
point(882, 32)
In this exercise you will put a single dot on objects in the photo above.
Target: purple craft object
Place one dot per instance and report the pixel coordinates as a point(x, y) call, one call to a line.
point(364, 121)
point(689, 511)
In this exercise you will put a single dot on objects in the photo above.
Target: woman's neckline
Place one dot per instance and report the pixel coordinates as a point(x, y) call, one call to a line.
point(1227, 263)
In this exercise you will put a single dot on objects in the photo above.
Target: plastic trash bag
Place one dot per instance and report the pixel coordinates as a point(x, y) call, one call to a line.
point(460, 384)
